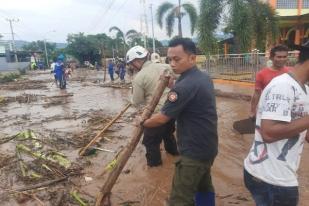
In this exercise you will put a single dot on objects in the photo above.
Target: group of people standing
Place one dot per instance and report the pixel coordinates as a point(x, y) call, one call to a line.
point(118, 67)
point(280, 105)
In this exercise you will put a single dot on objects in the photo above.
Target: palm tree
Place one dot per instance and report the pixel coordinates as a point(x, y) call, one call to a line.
point(209, 19)
point(250, 21)
point(133, 37)
point(174, 12)
point(124, 38)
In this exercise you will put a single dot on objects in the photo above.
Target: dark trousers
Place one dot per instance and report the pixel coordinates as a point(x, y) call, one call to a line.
point(153, 138)
point(111, 75)
point(265, 194)
point(192, 178)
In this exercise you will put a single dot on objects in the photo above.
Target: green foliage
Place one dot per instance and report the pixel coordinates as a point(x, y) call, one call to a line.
point(210, 13)
point(123, 41)
point(250, 21)
point(191, 11)
point(172, 12)
point(38, 46)
point(9, 77)
point(241, 24)
point(89, 48)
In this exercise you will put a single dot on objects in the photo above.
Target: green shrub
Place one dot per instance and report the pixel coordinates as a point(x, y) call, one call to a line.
point(9, 77)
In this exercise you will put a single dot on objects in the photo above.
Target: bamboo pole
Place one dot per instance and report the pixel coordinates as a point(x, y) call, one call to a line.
point(104, 193)
point(96, 138)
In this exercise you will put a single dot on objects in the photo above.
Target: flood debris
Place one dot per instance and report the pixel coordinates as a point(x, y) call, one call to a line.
point(23, 84)
point(98, 136)
point(37, 163)
point(118, 85)
point(23, 98)
point(77, 198)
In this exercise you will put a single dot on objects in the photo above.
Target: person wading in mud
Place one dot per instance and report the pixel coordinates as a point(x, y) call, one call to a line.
point(279, 58)
point(192, 103)
point(144, 85)
point(282, 123)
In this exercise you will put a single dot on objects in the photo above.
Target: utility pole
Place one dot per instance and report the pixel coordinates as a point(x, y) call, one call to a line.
point(13, 40)
point(46, 56)
point(153, 39)
point(144, 23)
point(45, 49)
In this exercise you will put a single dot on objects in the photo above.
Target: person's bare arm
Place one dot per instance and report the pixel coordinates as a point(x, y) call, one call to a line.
point(156, 120)
point(273, 131)
point(254, 102)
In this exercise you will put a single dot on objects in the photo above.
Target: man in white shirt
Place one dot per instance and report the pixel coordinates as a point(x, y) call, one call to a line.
point(281, 129)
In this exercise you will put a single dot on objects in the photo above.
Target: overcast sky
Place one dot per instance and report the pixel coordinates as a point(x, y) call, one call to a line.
point(55, 19)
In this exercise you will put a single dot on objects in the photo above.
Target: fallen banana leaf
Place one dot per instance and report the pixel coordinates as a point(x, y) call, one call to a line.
point(24, 168)
point(78, 199)
point(54, 158)
point(111, 165)
point(35, 175)
point(1, 99)
point(28, 134)
point(46, 167)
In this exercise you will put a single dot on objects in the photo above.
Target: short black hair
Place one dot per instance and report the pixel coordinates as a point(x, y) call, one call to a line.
point(187, 44)
point(278, 48)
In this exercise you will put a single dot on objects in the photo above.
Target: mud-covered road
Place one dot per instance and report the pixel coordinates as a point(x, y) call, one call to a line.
point(66, 120)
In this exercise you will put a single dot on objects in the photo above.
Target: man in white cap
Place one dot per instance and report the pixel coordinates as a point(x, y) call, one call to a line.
point(144, 85)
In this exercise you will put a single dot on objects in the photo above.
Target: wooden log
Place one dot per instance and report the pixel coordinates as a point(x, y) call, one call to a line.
point(42, 184)
point(98, 136)
point(103, 195)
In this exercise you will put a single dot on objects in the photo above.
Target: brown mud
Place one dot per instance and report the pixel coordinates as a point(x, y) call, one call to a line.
point(66, 120)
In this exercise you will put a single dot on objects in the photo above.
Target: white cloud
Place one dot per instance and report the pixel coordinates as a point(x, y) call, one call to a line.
point(39, 17)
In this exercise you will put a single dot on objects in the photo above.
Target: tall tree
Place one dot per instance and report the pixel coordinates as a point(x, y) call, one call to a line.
point(90, 47)
point(126, 39)
point(209, 19)
point(38, 46)
point(250, 21)
point(172, 12)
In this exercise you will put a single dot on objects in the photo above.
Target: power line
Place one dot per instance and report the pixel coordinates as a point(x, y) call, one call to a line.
point(99, 17)
point(109, 22)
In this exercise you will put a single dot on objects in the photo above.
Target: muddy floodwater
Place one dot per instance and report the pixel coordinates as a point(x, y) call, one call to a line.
point(63, 121)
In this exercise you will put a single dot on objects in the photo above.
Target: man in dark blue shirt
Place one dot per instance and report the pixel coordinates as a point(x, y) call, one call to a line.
point(192, 103)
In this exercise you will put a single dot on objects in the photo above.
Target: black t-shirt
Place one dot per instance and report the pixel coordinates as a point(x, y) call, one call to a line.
point(192, 103)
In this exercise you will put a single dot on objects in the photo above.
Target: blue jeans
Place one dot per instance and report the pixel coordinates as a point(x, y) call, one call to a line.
point(265, 194)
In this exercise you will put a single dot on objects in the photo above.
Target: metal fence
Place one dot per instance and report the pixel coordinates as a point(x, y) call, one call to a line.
point(239, 67)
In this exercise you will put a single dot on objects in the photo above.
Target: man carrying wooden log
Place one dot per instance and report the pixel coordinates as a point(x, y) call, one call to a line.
point(192, 103)
point(144, 85)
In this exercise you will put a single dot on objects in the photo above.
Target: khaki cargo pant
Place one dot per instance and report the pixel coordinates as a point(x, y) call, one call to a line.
point(190, 176)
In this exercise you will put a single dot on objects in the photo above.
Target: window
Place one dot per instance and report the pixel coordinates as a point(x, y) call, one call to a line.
point(287, 4)
point(305, 4)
